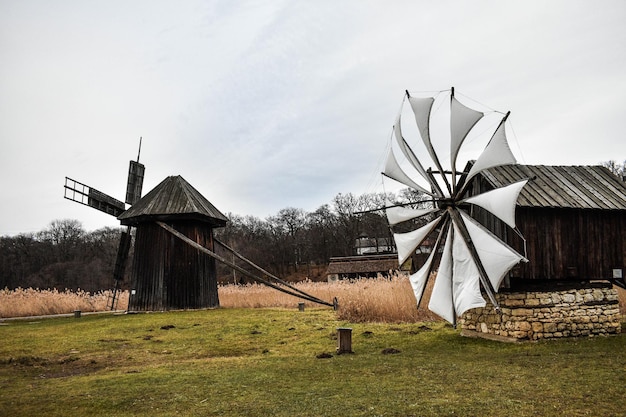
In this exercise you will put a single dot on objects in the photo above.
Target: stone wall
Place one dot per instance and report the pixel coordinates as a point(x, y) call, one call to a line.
point(533, 315)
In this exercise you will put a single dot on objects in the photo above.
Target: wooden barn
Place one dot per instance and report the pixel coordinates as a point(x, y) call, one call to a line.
point(167, 273)
point(572, 218)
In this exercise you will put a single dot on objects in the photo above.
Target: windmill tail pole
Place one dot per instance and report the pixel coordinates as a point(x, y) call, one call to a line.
point(263, 271)
point(240, 269)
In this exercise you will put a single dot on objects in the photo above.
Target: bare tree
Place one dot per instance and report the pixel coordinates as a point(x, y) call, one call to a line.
point(616, 168)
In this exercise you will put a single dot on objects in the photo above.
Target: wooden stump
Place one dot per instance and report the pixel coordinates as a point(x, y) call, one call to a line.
point(344, 340)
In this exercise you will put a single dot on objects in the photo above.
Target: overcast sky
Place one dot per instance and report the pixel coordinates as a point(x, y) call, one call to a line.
point(263, 105)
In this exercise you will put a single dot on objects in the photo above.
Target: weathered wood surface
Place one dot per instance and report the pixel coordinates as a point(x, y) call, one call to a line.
point(573, 220)
point(173, 198)
point(344, 340)
point(168, 274)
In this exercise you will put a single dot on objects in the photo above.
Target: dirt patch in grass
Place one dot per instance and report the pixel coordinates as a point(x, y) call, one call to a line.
point(44, 368)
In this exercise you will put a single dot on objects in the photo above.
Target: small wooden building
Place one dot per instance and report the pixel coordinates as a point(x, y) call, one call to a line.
point(362, 266)
point(167, 273)
point(573, 220)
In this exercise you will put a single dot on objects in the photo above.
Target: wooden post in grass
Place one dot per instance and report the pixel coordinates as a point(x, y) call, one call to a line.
point(344, 340)
point(301, 306)
point(76, 314)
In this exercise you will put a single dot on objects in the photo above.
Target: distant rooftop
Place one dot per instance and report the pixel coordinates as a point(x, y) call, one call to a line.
point(363, 264)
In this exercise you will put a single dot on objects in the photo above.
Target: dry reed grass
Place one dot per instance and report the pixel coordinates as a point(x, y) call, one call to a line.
point(34, 302)
point(362, 300)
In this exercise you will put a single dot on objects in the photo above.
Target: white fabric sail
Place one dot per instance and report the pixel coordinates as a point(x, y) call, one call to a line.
point(497, 257)
point(397, 215)
point(393, 170)
point(496, 153)
point(441, 302)
point(465, 278)
point(500, 202)
point(470, 264)
point(462, 120)
point(406, 243)
point(419, 278)
point(421, 107)
point(406, 149)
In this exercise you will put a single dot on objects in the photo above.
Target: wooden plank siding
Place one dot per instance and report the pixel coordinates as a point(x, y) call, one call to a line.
point(570, 243)
point(168, 274)
point(573, 220)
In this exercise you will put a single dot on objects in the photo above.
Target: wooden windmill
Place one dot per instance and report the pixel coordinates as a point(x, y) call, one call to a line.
point(557, 281)
point(89, 196)
point(174, 259)
point(168, 273)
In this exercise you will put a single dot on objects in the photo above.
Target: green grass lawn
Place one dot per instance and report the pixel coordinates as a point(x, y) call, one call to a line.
point(264, 362)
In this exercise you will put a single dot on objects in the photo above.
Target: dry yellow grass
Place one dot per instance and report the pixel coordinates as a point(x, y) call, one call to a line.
point(34, 302)
point(361, 300)
point(366, 299)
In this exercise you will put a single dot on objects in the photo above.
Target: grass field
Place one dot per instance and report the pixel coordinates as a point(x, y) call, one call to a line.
point(281, 362)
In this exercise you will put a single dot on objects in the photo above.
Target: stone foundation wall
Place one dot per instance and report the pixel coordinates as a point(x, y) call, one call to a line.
point(532, 315)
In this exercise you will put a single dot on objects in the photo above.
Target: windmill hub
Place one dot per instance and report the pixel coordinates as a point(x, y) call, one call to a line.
point(444, 203)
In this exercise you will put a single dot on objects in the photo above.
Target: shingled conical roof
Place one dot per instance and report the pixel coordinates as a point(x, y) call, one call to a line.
point(173, 199)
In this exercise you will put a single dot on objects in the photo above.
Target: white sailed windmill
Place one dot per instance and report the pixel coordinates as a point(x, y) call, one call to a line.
point(470, 257)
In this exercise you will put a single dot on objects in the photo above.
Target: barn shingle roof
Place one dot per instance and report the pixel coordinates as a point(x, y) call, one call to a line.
point(362, 264)
point(173, 198)
point(579, 187)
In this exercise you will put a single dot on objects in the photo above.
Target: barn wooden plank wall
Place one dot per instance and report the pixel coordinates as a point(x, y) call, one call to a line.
point(572, 217)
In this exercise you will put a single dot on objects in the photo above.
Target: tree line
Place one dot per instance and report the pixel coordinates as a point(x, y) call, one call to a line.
point(300, 243)
point(62, 256)
point(290, 242)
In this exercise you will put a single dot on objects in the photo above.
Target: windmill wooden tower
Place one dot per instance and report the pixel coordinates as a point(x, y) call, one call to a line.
point(167, 273)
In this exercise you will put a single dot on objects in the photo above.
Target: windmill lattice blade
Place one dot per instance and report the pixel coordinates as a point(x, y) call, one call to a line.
point(500, 202)
point(89, 196)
